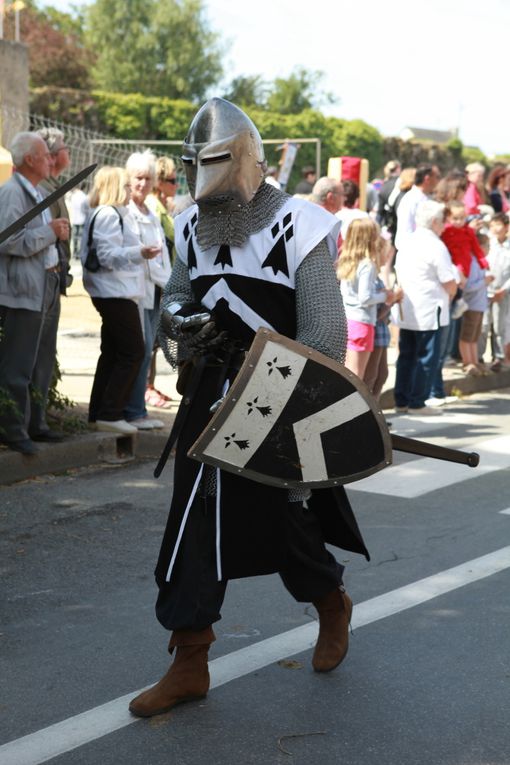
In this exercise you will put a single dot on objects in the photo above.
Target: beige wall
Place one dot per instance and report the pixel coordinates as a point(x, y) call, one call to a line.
point(13, 90)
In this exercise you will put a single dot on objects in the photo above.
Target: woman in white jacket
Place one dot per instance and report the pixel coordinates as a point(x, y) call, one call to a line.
point(111, 247)
point(141, 169)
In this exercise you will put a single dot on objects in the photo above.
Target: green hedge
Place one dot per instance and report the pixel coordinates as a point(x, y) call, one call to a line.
point(139, 117)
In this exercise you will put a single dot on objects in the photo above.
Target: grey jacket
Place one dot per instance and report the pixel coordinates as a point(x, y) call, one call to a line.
point(22, 272)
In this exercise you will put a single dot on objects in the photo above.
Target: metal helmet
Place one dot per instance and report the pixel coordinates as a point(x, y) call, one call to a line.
point(223, 157)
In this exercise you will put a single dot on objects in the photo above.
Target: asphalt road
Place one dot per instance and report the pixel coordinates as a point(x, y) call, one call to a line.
point(427, 677)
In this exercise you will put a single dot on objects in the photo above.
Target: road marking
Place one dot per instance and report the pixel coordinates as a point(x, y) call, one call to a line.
point(505, 512)
point(420, 476)
point(79, 730)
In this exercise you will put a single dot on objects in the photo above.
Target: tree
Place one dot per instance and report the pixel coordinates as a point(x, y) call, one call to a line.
point(300, 91)
point(153, 47)
point(247, 90)
point(57, 54)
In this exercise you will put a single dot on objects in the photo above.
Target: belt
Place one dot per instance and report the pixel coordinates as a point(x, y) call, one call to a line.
point(53, 270)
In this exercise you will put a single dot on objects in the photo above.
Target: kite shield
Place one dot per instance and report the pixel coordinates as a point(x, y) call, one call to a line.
point(295, 418)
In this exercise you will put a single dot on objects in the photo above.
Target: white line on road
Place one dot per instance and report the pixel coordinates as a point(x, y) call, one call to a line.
point(414, 478)
point(505, 512)
point(76, 731)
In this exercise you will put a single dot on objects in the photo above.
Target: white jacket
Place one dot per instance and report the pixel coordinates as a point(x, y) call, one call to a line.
point(150, 232)
point(119, 252)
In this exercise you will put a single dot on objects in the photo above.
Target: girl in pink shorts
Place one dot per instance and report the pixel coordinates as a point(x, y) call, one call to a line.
point(357, 270)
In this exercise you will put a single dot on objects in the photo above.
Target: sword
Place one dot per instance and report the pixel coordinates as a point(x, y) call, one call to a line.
point(47, 201)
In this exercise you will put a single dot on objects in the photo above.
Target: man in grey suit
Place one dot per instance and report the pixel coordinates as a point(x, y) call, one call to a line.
point(29, 287)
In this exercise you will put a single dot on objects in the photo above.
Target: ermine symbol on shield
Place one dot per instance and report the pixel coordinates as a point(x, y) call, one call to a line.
point(318, 425)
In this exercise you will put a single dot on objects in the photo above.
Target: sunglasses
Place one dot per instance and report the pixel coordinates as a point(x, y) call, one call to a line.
point(173, 181)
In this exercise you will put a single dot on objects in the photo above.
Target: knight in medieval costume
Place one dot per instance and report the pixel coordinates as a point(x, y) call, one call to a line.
point(248, 256)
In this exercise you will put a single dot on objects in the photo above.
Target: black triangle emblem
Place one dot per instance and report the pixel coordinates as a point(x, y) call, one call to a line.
point(224, 256)
point(192, 258)
point(277, 258)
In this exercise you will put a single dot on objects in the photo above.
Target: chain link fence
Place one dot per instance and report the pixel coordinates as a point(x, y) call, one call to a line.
point(87, 146)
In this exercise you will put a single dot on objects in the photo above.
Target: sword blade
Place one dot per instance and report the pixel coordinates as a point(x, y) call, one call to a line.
point(40, 206)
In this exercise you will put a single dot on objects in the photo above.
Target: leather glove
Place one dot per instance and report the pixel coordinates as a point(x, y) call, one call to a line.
point(192, 327)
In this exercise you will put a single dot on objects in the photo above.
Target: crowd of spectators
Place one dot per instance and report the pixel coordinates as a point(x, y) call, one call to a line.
point(429, 260)
point(432, 261)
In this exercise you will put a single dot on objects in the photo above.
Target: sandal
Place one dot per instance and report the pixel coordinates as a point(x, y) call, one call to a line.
point(154, 397)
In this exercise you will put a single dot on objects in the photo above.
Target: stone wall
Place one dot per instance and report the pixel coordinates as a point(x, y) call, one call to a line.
point(13, 90)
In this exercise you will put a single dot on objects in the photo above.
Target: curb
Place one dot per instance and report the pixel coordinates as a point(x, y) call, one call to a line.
point(89, 449)
point(80, 451)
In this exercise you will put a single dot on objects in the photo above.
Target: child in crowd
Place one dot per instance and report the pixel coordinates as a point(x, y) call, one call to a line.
point(461, 241)
point(477, 299)
point(497, 318)
point(376, 372)
point(357, 270)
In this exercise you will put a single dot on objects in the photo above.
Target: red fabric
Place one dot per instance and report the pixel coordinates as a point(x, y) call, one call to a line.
point(351, 169)
point(461, 244)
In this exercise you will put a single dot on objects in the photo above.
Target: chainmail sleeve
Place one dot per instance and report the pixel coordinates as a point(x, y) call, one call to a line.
point(321, 322)
point(177, 290)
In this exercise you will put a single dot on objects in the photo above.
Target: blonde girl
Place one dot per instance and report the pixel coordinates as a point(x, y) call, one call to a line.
point(357, 271)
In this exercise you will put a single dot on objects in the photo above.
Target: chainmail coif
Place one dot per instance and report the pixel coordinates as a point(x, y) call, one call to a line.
point(234, 228)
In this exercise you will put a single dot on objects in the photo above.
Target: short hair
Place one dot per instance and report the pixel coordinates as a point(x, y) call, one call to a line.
point(323, 187)
point(351, 191)
point(421, 171)
point(109, 187)
point(22, 144)
point(142, 162)
point(454, 204)
point(164, 166)
point(407, 177)
point(501, 217)
point(53, 138)
point(308, 170)
point(429, 212)
point(390, 167)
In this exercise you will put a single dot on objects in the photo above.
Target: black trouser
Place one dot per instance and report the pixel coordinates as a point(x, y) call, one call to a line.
point(122, 351)
point(193, 597)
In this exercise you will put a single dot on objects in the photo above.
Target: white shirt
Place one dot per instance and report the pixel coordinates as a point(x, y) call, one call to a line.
point(157, 270)
point(348, 214)
point(423, 266)
point(406, 214)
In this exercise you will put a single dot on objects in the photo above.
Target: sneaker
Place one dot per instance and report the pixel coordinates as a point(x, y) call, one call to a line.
point(460, 307)
point(496, 365)
point(436, 401)
point(425, 411)
point(115, 426)
point(147, 423)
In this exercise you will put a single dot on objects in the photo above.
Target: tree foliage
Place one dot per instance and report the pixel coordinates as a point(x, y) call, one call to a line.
point(57, 54)
point(300, 91)
point(155, 47)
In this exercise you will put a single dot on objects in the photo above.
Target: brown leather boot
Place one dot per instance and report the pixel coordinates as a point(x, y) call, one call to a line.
point(186, 680)
point(335, 611)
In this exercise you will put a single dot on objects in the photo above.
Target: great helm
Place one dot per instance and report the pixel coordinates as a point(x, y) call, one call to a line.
point(223, 157)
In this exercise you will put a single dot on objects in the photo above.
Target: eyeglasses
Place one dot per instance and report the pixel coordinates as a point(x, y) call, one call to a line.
point(173, 181)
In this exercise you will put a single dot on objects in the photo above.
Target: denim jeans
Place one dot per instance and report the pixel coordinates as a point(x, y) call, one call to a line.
point(135, 408)
point(445, 341)
point(416, 364)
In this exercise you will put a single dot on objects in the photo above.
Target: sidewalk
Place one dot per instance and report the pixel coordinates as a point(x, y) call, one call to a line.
point(78, 350)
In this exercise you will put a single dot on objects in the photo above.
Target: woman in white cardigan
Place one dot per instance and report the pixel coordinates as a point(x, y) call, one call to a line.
point(116, 286)
point(141, 169)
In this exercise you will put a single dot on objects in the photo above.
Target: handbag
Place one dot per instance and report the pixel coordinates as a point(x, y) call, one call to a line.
point(91, 262)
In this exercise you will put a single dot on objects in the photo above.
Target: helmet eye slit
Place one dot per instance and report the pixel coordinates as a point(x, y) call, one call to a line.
point(216, 158)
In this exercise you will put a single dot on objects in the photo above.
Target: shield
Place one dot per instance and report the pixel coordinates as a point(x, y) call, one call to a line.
point(295, 418)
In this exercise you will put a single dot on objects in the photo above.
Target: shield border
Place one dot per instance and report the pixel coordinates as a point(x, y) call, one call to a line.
point(262, 336)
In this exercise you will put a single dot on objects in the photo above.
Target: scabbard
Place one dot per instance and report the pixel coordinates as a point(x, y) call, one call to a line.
point(424, 449)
